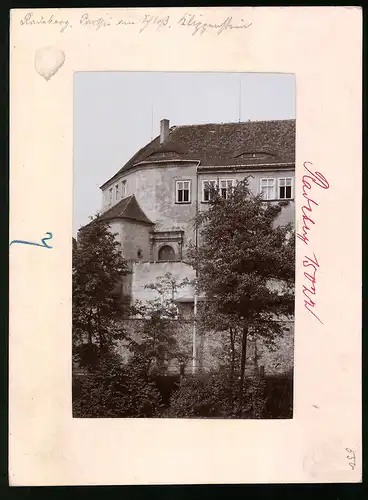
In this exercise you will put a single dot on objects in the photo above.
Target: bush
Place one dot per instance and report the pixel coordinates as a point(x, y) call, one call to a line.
point(116, 391)
point(200, 396)
point(213, 396)
point(166, 385)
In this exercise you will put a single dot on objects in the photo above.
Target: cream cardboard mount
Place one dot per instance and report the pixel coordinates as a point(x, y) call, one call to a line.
point(322, 443)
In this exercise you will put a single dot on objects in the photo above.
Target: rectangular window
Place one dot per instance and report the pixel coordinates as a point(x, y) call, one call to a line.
point(225, 187)
point(286, 188)
point(117, 192)
point(268, 188)
point(110, 196)
point(123, 189)
point(206, 190)
point(182, 191)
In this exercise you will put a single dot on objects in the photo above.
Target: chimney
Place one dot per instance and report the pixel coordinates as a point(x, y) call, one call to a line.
point(164, 130)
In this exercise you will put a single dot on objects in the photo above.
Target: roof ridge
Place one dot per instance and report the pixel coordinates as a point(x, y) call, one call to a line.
point(233, 123)
point(130, 197)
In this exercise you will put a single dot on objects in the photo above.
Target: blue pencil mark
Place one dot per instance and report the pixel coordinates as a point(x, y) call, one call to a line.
point(43, 244)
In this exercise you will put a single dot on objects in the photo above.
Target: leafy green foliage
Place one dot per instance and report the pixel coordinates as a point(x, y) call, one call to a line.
point(110, 389)
point(98, 268)
point(245, 261)
point(215, 395)
point(157, 344)
point(205, 395)
point(115, 390)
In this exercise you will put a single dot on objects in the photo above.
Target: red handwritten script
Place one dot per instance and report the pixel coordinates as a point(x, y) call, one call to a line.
point(309, 180)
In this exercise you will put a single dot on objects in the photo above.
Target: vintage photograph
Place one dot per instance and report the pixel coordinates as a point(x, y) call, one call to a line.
point(183, 245)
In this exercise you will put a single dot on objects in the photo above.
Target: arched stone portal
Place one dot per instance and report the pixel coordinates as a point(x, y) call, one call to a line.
point(166, 252)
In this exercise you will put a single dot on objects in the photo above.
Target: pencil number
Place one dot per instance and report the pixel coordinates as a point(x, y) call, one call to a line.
point(351, 457)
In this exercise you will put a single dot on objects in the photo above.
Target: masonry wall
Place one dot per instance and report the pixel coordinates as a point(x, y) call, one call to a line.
point(148, 272)
point(133, 236)
point(277, 361)
point(183, 333)
point(281, 360)
point(208, 348)
point(154, 188)
point(117, 229)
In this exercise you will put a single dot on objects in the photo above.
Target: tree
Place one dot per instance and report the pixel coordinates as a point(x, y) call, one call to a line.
point(98, 265)
point(245, 267)
point(156, 343)
point(211, 319)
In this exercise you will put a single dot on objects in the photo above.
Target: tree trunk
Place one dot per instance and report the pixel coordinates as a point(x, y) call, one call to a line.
point(232, 367)
point(90, 342)
point(232, 348)
point(147, 369)
point(242, 368)
point(90, 329)
point(100, 334)
point(104, 344)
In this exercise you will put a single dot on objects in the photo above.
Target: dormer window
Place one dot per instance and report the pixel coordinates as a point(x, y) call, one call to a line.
point(249, 155)
point(117, 192)
point(110, 196)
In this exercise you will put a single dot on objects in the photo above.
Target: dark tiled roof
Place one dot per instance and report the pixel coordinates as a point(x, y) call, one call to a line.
point(226, 144)
point(128, 208)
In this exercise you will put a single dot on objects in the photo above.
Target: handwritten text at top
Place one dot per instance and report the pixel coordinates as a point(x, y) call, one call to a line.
point(195, 24)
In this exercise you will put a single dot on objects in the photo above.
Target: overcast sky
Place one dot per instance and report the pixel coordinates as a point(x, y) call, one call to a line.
point(116, 113)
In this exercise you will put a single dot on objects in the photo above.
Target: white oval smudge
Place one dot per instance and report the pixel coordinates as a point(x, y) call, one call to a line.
point(48, 61)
